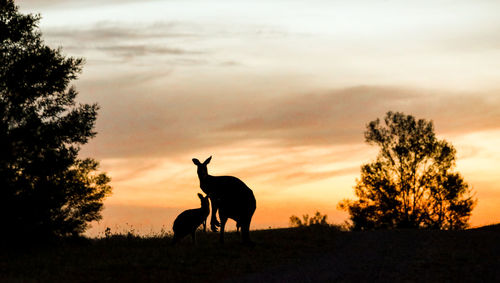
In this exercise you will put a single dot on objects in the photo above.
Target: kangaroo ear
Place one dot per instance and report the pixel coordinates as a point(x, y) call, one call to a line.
point(200, 196)
point(207, 161)
point(196, 162)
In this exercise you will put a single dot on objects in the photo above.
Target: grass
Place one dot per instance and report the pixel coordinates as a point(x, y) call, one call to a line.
point(311, 254)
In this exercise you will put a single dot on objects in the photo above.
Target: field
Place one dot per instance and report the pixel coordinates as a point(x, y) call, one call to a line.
point(314, 254)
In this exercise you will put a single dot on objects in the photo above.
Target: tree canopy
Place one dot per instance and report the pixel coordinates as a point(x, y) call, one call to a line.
point(411, 184)
point(45, 188)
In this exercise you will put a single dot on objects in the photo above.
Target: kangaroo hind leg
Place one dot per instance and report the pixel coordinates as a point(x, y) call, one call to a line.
point(223, 220)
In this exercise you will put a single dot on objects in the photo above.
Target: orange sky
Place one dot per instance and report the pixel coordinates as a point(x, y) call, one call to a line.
point(279, 92)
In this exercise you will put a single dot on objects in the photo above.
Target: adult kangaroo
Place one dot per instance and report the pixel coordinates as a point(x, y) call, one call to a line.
point(231, 197)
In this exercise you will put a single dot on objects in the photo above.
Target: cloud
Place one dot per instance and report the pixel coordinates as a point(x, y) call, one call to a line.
point(166, 125)
point(115, 31)
point(128, 51)
point(124, 41)
point(340, 116)
point(73, 3)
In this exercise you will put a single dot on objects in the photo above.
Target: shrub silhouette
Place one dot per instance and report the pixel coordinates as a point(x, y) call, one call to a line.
point(315, 220)
point(230, 196)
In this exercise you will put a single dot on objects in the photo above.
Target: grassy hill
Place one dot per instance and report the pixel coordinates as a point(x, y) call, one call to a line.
point(281, 255)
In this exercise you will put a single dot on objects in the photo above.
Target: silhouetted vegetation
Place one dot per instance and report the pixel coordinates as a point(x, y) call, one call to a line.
point(45, 189)
point(316, 219)
point(411, 184)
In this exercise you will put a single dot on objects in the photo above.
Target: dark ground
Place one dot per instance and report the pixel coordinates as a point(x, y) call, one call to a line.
point(398, 256)
point(316, 254)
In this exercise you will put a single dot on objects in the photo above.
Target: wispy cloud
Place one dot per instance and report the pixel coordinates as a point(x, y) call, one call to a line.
point(135, 126)
point(73, 3)
point(340, 116)
point(115, 31)
point(129, 51)
point(125, 41)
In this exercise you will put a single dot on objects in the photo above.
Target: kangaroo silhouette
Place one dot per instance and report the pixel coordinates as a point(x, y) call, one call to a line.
point(231, 197)
point(189, 220)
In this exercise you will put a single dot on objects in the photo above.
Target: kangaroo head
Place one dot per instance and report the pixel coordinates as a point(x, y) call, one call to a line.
point(204, 201)
point(202, 167)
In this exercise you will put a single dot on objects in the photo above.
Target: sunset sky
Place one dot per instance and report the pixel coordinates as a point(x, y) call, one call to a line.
point(278, 92)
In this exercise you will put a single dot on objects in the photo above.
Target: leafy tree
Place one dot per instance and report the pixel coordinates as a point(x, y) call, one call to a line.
point(45, 189)
point(411, 183)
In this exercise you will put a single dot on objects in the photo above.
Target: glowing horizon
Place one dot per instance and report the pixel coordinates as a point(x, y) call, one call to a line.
point(280, 99)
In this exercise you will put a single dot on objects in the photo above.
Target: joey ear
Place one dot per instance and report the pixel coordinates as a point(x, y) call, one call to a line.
point(207, 161)
point(196, 162)
point(200, 196)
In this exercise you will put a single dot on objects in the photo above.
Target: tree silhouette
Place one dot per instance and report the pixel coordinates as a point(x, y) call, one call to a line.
point(45, 189)
point(411, 183)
